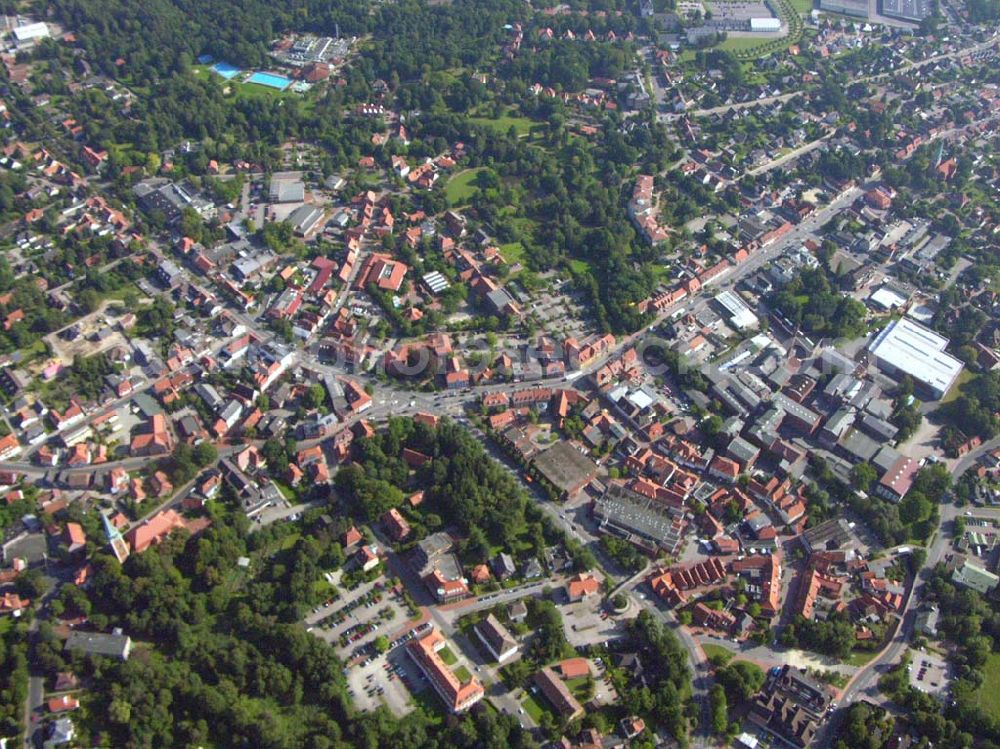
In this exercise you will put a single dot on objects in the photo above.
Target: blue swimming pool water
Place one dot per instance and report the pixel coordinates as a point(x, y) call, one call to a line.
point(226, 70)
point(270, 79)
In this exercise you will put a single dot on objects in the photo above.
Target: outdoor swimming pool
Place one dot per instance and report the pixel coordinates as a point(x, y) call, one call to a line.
point(226, 70)
point(270, 79)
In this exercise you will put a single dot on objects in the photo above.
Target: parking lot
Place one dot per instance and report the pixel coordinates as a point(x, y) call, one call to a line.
point(929, 673)
point(586, 623)
point(389, 679)
point(351, 622)
point(604, 692)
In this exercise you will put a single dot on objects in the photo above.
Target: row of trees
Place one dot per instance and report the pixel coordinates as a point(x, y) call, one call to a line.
point(13, 678)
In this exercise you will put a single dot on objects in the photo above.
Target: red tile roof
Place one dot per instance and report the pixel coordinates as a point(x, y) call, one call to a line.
point(457, 695)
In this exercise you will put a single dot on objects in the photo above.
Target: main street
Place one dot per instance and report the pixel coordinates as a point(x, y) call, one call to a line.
point(400, 400)
point(661, 94)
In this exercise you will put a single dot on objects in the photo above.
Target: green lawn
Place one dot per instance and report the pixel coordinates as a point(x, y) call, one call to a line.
point(743, 43)
point(34, 351)
point(119, 294)
point(5, 624)
point(717, 652)
point(964, 376)
point(579, 266)
point(533, 708)
point(988, 694)
point(255, 91)
point(447, 656)
point(463, 674)
point(513, 252)
point(461, 187)
point(286, 491)
point(323, 588)
point(522, 125)
point(860, 657)
point(578, 687)
point(802, 6)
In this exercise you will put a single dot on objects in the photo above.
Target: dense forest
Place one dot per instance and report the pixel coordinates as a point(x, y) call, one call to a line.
point(13, 676)
point(561, 198)
point(974, 411)
point(813, 304)
point(464, 490)
point(157, 39)
point(221, 663)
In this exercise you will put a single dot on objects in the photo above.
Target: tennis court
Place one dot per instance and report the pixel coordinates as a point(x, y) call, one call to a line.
point(226, 70)
point(271, 80)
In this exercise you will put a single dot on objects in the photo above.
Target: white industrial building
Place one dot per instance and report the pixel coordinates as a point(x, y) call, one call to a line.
point(888, 297)
point(765, 24)
point(739, 314)
point(908, 348)
point(29, 32)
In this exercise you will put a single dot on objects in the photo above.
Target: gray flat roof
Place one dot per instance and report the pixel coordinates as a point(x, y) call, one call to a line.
point(912, 349)
point(910, 10)
point(287, 191)
point(565, 466)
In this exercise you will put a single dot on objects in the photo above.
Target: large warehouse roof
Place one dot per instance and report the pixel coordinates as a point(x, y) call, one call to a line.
point(31, 31)
point(739, 313)
point(912, 349)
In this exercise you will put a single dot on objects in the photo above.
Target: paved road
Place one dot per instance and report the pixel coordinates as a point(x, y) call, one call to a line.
point(33, 706)
point(33, 711)
point(864, 685)
point(281, 512)
point(791, 155)
point(751, 103)
point(456, 611)
point(701, 671)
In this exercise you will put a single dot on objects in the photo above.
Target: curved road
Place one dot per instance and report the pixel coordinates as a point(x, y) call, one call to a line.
point(864, 685)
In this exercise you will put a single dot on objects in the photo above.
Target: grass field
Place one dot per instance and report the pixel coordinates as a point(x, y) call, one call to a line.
point(286, 491)
point(447, 656)
point(579, 266)
point(512, 252)
point(256, 91)
point(742, 43)
point(717, 652)
point(522, 125)
point(461, 187)
point(802, 6)
point(988, 694)
point(578, 687)
point(860, 657)
point(463, 674)
point(533, 708)
point(956, 390)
